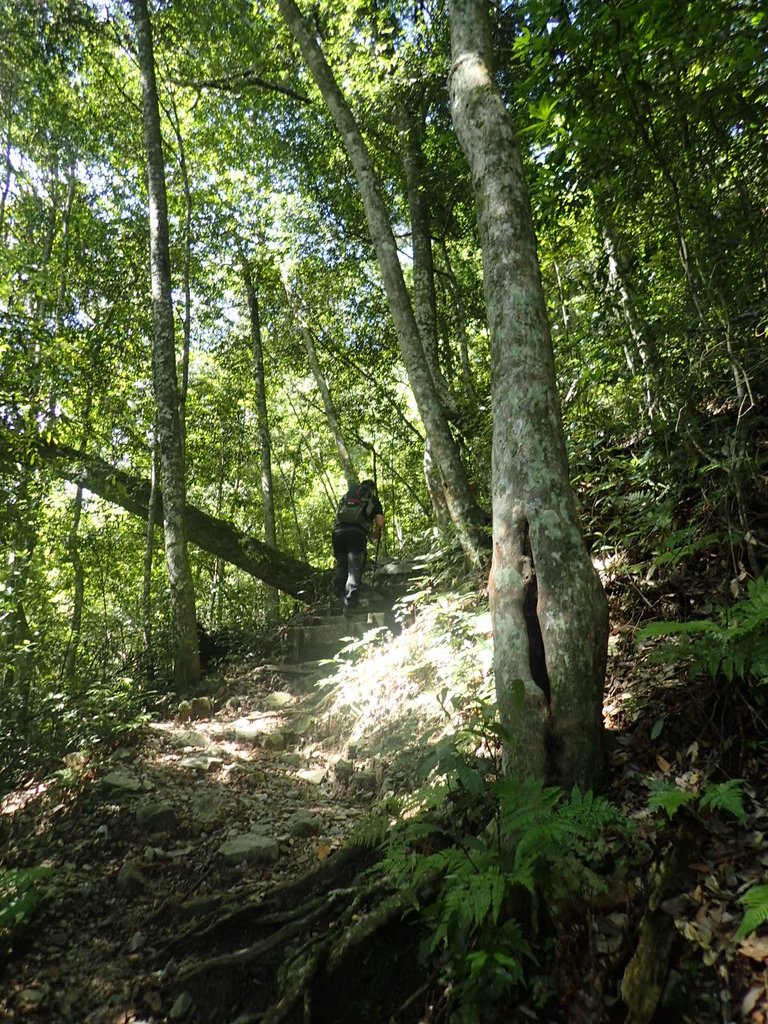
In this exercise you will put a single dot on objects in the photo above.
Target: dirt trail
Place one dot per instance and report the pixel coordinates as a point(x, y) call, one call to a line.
point(191, 817)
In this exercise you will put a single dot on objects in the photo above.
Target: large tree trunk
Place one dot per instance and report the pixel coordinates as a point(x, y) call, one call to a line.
point(265, 440)
point(345, 459)
point(186, 655)
point(219, 537)
point(557, 738)
point(465, 515)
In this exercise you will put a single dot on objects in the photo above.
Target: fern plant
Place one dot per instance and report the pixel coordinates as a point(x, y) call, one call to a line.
point(736, 646)
point(20, 894)
point(466, 872)
point(756, 902)
point(714, 796)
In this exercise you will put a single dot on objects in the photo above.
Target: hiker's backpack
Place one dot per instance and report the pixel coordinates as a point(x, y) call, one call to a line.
point(356, 508)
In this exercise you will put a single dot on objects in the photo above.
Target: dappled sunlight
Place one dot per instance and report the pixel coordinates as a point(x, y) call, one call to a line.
point(18, 799)
point(410, 690)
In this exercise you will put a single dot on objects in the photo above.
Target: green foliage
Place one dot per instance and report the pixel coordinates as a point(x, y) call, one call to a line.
point(736, 646)
point(720, 796)
point(20, 895)
point(756, 903)
point(60, 718)
point(724, 796)
point(668, 797)
point(475, 874)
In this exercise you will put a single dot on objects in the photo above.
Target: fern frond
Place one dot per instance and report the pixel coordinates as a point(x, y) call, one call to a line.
point(756, 902)
point(725, 796)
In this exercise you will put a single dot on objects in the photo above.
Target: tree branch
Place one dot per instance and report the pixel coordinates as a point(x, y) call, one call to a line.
point(221, 538)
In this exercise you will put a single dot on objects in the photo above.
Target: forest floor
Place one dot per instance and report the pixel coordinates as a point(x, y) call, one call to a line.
point(186, 820)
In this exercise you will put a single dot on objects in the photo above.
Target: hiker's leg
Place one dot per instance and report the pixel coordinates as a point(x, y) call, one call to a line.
point(340, 568)
point(355, 562)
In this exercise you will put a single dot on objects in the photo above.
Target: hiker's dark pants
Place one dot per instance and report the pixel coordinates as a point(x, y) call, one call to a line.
point(350, 550)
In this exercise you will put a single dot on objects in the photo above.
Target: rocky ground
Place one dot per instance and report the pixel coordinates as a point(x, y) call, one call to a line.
point(193, 819)
point(193, 815)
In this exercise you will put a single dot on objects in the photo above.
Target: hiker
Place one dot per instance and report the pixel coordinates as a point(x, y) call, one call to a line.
point(359, 515)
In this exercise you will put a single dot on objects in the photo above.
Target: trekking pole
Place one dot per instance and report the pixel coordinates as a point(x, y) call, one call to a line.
point(376, 558)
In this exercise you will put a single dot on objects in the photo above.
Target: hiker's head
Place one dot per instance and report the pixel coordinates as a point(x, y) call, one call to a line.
point(369, 483)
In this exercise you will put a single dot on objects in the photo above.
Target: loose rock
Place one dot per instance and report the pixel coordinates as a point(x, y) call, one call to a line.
point(251, 847)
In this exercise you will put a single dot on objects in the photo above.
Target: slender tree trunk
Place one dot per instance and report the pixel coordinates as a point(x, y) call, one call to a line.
point(8, 168)
point(345, 458)
point(186, 655)
point(149, 557)
point(424, 299)
point(643, 343)
point(187, 339)
point(436, 492)
point(535, 526)
point(20, 667)
point(66, 238)
point(265, 439)
point(465, 515)
point(78, 588)
point(461, 324)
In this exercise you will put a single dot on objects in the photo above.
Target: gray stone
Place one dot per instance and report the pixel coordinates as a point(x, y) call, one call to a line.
point(293, 759)
point(313, 775)
point(130, 880)
point(157, 817)
point(245, 730)
point(181, 1007)
point(206, 808)
point(199, 762)
point(199, 906)
point(122, 781)
point(250, 847)
point(189, 738)
point(303, 824)
point(278, 700)
point(275, 741)
point(363, 782)
point(30, 997)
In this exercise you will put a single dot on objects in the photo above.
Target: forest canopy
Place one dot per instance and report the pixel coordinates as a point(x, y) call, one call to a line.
point(642, 137)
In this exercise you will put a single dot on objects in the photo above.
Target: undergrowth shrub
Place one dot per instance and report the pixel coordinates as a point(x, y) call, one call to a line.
point(486, 861)
point(735, 647)
point(57, 720)
point(21, 892)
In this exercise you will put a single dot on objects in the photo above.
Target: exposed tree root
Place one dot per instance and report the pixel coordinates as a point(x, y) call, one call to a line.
point(328, 947)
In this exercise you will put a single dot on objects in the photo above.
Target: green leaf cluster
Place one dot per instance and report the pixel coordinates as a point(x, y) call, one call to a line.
point(756, 902)
point(712, 796)
point(20, 894)
point(476, 869)
point(735, 647)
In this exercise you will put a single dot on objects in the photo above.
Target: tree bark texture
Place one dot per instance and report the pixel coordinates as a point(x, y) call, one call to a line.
point(265, 440)
point(219, 537)
point(535, 523)
point(465, 515)
point(187, 658)
point(345, 459)
point(424, 298)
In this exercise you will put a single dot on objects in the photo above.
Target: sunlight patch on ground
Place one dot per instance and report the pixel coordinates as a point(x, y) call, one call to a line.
point(402, 693)
point(19, 798)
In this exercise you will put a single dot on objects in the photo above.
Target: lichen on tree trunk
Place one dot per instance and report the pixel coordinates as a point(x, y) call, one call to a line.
point(556, 736)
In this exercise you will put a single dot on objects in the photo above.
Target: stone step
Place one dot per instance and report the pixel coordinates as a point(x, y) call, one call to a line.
point(371, 618)
point(326, 638)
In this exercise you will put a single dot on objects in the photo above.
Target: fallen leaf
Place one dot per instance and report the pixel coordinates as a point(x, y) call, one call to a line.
point(323, 852)
point(749, 1002)
point(756, 948)
point(663, 763)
